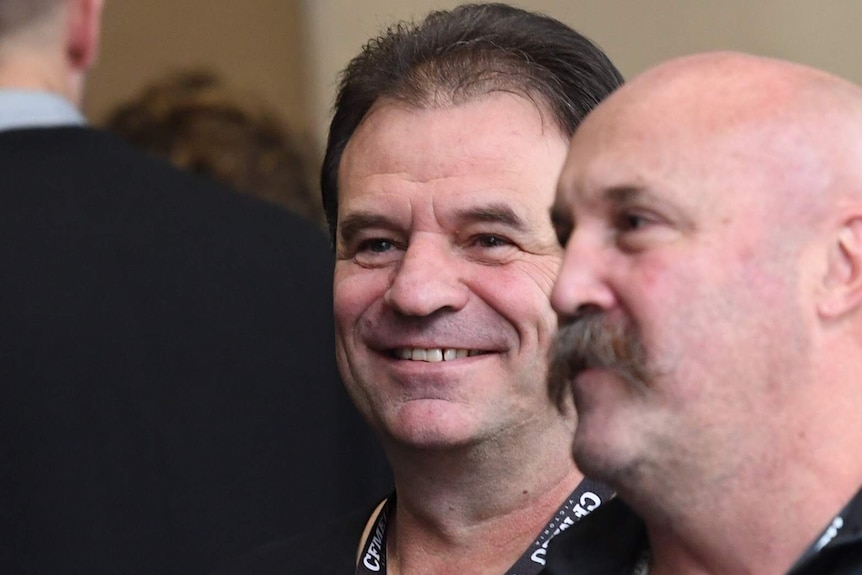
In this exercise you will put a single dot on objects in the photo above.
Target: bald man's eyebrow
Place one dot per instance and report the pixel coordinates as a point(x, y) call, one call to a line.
point(622, 195)
point(561, 216)
point(354, 223)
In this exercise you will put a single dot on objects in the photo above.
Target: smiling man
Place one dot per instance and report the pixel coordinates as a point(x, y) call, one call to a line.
point(443, 156)
point(441, 165)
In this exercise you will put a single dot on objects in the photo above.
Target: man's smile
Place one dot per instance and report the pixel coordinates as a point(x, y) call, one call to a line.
point(434, 354)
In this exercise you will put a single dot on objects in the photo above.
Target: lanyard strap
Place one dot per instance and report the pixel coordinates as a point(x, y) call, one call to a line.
point(586, 497)
point(372, 550)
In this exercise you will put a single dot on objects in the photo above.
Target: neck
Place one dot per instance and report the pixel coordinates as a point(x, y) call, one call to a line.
point(763, 515)
point(478, 509)
point(33, 73)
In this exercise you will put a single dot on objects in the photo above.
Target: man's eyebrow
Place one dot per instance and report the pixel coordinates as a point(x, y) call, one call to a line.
point(493, 213)
point(617, 196)
point(354, 223)
point(621, 195)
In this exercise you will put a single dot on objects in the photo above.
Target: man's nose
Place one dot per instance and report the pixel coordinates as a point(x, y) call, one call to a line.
point(428, 278)
point(583, 282)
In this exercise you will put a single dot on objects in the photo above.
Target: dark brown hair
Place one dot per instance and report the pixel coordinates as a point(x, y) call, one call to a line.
point(455, 55)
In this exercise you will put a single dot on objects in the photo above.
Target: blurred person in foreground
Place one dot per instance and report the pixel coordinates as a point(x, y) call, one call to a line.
point(168, 391)
point(441, 165)
point(200, 123)
point(710, 304)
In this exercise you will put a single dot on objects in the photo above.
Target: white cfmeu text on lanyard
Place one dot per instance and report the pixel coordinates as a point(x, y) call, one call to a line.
point(586, 497)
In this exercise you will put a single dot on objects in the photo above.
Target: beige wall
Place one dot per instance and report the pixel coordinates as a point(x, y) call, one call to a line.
point(257, 44)
point(635, 33)
point(290, 51)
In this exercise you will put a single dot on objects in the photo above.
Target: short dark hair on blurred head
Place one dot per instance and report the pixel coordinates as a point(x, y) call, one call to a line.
point(18, 14)
point(201, 124)
point(453, 56)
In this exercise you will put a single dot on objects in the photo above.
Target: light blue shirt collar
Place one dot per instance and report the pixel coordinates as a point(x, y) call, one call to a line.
point(36, 109)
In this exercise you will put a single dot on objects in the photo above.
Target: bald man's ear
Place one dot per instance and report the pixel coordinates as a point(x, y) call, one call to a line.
point(843, 282)
point(84, 26)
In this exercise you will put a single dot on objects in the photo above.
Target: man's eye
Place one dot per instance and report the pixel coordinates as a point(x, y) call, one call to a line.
point(375, 252)
point(376, 245)
point(491, 241)
point(631, 221)
point(563, 232)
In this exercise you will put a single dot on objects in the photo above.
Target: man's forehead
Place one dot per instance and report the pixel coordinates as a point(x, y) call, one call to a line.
point(602, 155)
point(669, 122)
point(619, 159)
point(717, 91)
point(497, 127)
point(486, 203)
point(705, 136)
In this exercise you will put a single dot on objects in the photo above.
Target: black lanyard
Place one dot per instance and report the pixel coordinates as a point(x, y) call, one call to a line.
point(586, 497)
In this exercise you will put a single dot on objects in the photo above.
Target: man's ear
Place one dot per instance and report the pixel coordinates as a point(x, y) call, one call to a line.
point(842, 285)
point(84, 26)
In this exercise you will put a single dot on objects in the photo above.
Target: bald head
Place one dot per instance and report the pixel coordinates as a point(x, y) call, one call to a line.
point(784, 133)
point(735, 81)
point(705, 74)
point(777, 111)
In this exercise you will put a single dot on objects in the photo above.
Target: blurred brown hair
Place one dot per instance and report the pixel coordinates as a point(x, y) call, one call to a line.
point(197, 122)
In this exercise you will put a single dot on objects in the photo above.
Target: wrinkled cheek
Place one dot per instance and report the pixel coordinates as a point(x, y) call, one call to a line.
point(345, 321)
point(355, 370)
point(354, 293)
point(342, 356)
point(353, 296)
point(546, 328)
point(541, 274)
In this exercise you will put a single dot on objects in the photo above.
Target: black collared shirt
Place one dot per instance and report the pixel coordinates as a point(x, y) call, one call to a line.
point(612, 540)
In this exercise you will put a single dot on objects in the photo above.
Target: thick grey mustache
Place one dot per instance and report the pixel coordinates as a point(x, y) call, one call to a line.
point(590, 341)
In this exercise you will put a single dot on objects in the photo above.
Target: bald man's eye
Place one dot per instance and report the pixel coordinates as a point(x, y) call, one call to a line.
point(631, 221)
point(639, 229)
point(563, 230)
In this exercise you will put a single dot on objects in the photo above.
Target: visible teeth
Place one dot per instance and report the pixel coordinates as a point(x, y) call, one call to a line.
point(435, 354)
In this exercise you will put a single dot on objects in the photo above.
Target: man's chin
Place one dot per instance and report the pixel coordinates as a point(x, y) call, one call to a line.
point(433, 437)
point(598, 457)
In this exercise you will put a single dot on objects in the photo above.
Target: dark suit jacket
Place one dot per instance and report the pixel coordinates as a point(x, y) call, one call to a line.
point(326, 549)
point(168, 393)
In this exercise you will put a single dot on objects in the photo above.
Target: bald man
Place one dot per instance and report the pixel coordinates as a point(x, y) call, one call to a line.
point(710, 300)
